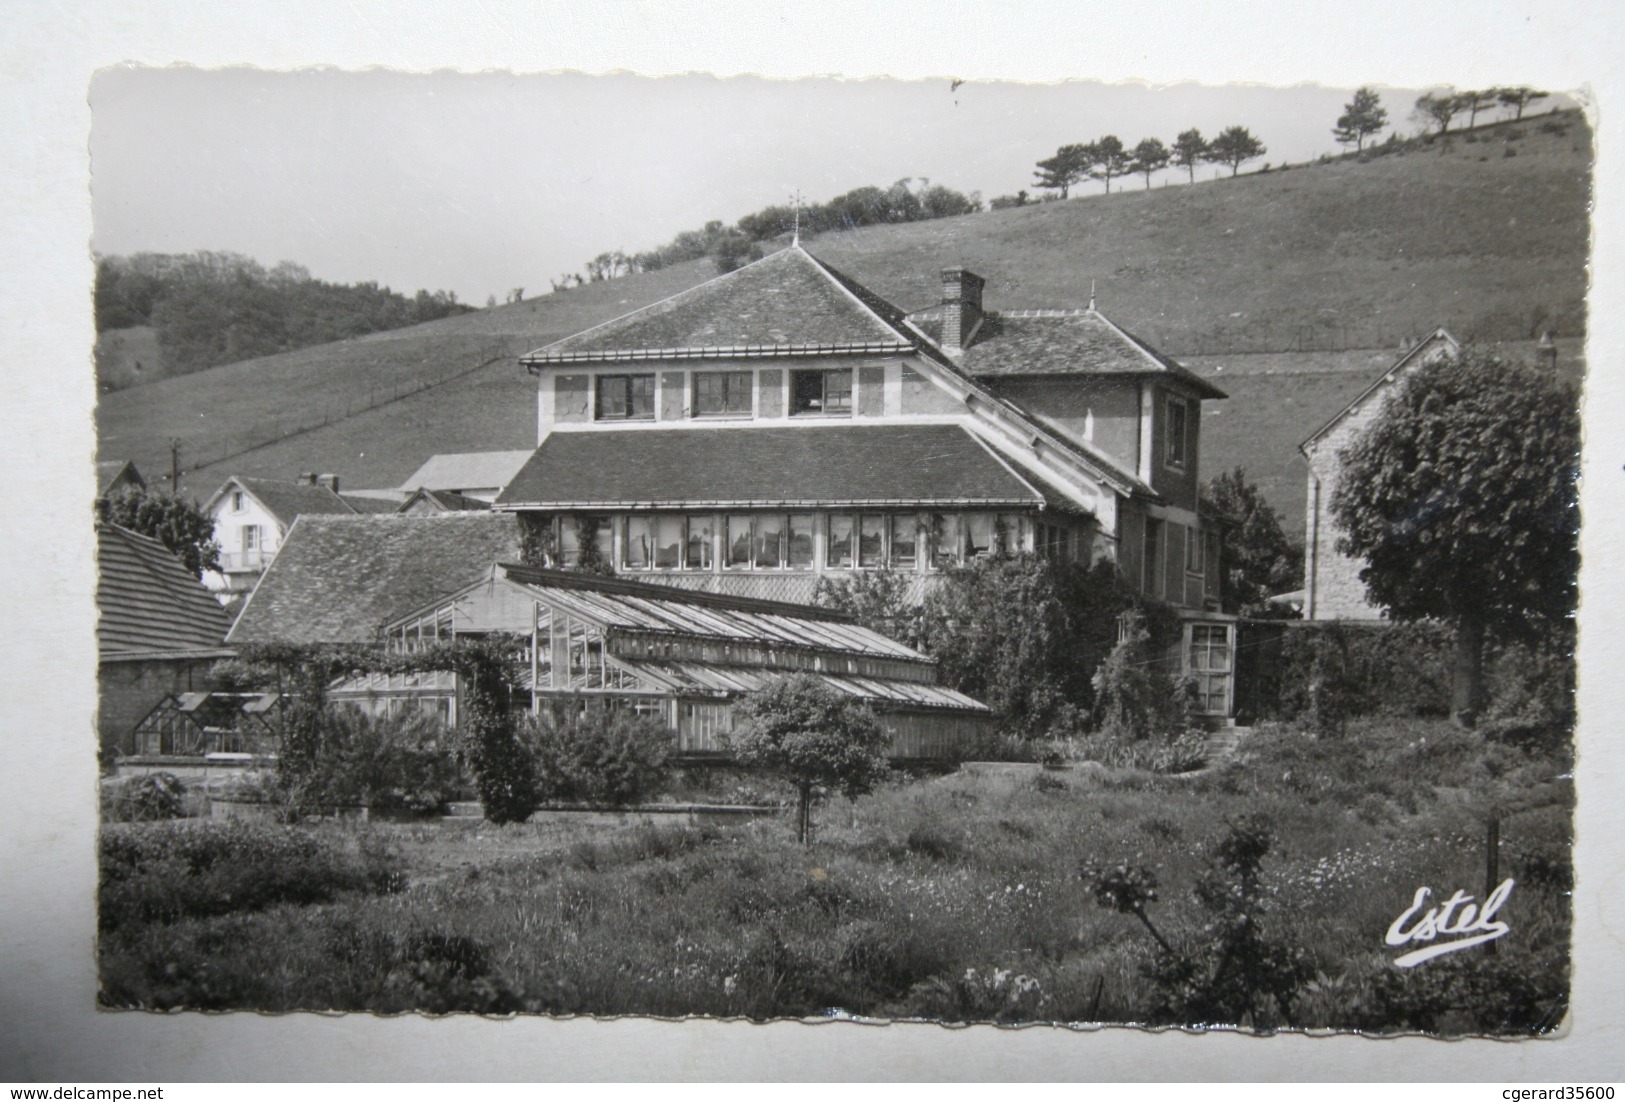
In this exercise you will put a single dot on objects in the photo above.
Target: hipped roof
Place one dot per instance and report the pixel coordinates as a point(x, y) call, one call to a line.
point(339, 579)
point(151, 605)
point(786, 302)
point(823, 465)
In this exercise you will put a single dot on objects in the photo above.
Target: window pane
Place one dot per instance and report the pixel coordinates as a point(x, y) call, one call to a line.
point(840, 542)
point(1176, 432)
point(569, 546)
point(769, 541)
point(801, 541)
point(668, 532)
point(806, 391)
point(904, 545)
point(978, 534)
point(738, 398)
point(612, 396)
point(1193, 551)
point(708, 397)
point(871, 540)
point(837, 391)
point(1007, 533)
point(642, 397)
point(637, 552)
point(698, 556)
point(945, 540)
point(739, 540)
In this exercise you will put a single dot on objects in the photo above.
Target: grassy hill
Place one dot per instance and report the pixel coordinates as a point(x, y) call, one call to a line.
point(1486, 232)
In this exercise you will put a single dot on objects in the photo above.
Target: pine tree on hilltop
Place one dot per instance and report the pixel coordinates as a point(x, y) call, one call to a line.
point(1362, 116)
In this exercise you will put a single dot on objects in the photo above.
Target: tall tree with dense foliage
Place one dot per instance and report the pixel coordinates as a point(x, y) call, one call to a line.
point(812, 735)
point(1362, 117)
point(1235, 146)
point(1150, 156)
point(1070, 164)
point(180, 525)
point(1462, 501)
point(1258, 558)
point(1190, 150)
point(1108, 160)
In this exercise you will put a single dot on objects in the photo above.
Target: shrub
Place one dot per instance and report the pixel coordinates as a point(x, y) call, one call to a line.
point(1531, 695)
point(1136, 696)
point(601, 754)
point(1331, 672)
point(144, 799)
point(404, 763)
point(162, 873)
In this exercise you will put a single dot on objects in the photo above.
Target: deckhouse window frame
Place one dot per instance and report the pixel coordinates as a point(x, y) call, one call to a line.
point(624, 397)
point(822, 392)
point(723, 393)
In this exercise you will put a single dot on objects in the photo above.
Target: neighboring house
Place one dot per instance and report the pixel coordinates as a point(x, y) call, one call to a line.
point(679, 654)
point(479, 475)
point(782, 423)
point(159, 632)
point(253, 515)
point(431, 502)
point(114, 475)
point(1332, 586)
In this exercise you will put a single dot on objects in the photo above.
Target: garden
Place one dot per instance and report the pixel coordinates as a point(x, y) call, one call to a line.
point(1255, 893)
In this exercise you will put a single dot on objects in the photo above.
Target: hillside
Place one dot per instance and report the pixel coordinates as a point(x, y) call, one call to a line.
point(1339, 255)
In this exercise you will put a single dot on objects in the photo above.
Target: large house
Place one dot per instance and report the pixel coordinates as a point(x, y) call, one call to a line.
point(252, 516)
point(783, 423)
point(1332, 586)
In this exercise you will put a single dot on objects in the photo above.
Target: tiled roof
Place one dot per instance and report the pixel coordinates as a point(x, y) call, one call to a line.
point(783, 302)
point(1061, 342)
point(466, 471)
point(110, 472)
point(816, 464)
point(150, 604)
point(340, 579)
point(360, 504)
point(445, 500)
point(287, 500)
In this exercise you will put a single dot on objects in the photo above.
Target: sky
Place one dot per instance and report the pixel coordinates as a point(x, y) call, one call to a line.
point(480, 183)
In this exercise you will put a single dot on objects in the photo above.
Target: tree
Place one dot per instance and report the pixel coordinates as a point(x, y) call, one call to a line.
point(1150, 156)
point(1518, 98)
point(1235, 146)
point(182, 526)
point(812, 735)
point(1259, 560)
point(1362, 116)
point(1462, 501)
point(1190, 149)
point(1475, 101)
point(1438, 109)
point(1108, 160)
point(1058, 173)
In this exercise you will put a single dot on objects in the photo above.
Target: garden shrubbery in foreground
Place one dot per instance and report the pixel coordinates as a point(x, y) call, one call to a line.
point(956, 898)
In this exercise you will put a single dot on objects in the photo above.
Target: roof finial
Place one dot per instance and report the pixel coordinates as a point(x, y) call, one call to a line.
point(795, 235)
point(1091, 296)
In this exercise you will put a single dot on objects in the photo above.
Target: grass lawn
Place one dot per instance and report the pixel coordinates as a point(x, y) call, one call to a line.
point(955, 898)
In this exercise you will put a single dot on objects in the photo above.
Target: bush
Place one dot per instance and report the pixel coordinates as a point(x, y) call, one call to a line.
point(1331, 672)
point(144, 799)
point(163, 873)
point(600, 755)
point(386, 763)
point(1137, 697)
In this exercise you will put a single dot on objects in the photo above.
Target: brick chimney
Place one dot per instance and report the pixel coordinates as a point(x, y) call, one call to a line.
point(331, 481)
point(961, 307)
point(307, 478)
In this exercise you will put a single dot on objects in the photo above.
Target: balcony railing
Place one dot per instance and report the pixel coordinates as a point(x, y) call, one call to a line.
point(241, 562)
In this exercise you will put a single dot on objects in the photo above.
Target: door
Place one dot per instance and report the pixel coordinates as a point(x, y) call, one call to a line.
point(1210, 653)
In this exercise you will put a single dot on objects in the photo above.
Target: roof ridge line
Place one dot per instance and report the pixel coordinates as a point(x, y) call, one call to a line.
point(840, 279)
point(657, 302)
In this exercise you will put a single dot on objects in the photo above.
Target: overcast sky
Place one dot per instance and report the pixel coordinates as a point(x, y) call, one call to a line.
point(479, 183)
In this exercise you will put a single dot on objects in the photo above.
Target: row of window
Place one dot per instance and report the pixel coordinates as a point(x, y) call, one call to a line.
point(806, 541)
point(723, 394)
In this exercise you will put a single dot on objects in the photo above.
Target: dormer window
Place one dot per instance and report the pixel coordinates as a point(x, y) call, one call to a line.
point(1178, 429)
point(626, 398)
point(814, 392)
point(236, 501)
point(722, 393)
